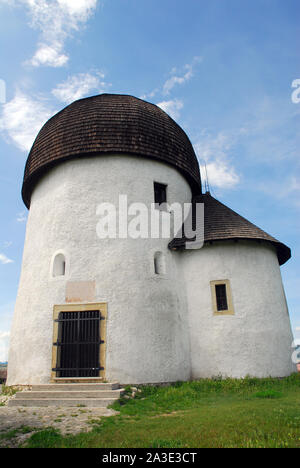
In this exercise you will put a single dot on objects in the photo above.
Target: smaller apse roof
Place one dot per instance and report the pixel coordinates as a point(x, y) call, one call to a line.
point(222, 223)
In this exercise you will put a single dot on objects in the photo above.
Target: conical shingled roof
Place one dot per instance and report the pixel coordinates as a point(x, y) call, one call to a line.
point(110, 124)
point(222, 223)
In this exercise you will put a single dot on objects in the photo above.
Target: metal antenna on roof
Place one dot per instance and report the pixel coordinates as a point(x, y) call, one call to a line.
point(207, 189)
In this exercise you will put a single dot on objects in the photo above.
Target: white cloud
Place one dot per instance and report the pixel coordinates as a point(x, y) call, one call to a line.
point(185, 76)
point(56, 20)
point(7, 244)
point(297, 329)
point(49, 55)
point(271, 132)
point(4, 334)
point(171, 82)
point(21, 217)
point(176, 78)
point(4, 259)
point(6, 314)
point(150, 95)
point(4, 345)
point(216, 151)
point(219, 174)
point(78, 86)
point(171, 107)
point(288, 187)
point(209, 146)
point(22, 118)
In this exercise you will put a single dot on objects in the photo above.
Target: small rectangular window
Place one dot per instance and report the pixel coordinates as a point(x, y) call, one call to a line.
point(160, 193)
point(221, 297)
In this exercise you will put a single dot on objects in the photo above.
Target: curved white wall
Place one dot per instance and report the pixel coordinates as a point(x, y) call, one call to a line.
point(147, 333)
point(160, 328)
point(256, 340)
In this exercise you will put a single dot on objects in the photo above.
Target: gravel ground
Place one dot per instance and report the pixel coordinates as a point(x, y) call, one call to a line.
point(67, 420)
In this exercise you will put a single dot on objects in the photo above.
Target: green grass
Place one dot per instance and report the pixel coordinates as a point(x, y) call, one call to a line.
point(9, 391)
point(268, 394)
point(205, 413)
point(47, 438)
point(14, 432)
point(166, 443)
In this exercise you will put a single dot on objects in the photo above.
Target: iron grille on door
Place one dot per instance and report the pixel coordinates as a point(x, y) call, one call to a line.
point(78, 344)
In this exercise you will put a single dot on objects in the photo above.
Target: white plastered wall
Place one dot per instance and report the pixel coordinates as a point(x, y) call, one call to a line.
point(160, 328)
point(147, 334)
point(257, 339)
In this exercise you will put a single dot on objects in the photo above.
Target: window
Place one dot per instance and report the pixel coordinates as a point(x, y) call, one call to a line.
point(160, 193)
point(59, 265)
point(221, 297)
point(159, 264)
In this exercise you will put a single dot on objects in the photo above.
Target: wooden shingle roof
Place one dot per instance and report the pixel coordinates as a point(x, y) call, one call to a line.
point(110, 124)
point(222, 223)
point(123, 124)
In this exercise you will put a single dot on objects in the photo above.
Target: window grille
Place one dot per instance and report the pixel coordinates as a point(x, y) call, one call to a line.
point(221, 297)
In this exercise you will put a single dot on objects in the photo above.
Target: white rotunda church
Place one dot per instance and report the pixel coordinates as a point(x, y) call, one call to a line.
point(142, 310)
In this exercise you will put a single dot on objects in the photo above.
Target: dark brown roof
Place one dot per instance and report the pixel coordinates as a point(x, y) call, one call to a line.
point(222, 223)
point(109, 124)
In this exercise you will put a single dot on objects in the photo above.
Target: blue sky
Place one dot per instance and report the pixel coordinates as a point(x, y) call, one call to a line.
point(222, 69)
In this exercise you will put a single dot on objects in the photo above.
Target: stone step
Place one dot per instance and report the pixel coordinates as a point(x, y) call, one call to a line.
point(63, 402)
point(78, 380)
point(98, 395)
point(75, 386)
point(70, 395)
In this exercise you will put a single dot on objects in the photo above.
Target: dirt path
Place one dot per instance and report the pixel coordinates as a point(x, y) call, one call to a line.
point(24, 421)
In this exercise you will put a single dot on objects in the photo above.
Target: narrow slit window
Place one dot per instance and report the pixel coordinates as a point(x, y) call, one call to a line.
point(160, 193)
point(59, 265)
point(159, 264)
point(221, 297)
